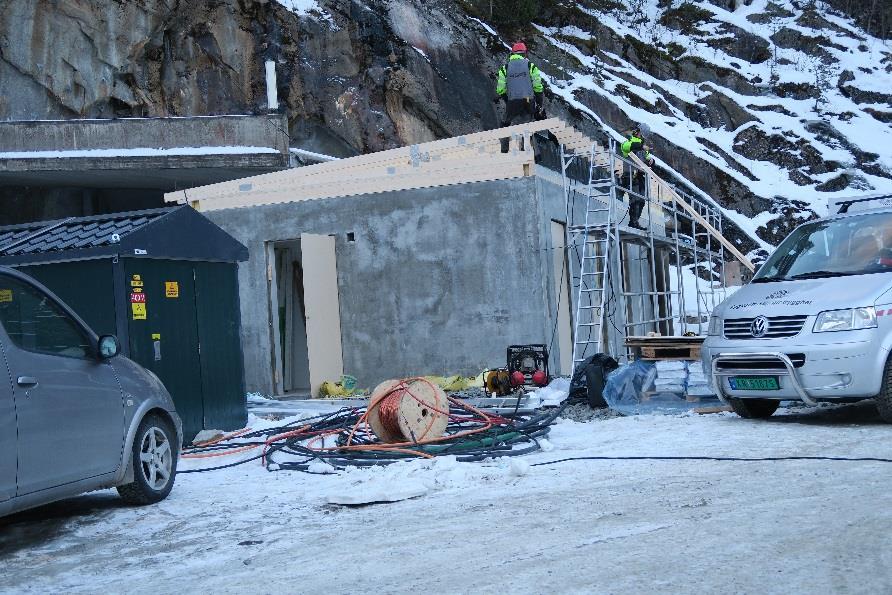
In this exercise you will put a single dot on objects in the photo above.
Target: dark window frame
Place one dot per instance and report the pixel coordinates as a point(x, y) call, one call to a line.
point(90, 349)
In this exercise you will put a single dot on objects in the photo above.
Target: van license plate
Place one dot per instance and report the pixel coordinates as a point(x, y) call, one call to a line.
point(754, 383)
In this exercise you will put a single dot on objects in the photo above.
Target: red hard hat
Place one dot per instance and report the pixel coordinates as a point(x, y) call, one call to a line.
point(519, 47)
point(517, 378)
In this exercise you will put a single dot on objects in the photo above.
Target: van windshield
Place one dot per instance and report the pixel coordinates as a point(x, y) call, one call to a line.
point(847, 246)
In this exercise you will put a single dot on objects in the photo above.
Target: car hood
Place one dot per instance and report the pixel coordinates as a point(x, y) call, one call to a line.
point(806, 296)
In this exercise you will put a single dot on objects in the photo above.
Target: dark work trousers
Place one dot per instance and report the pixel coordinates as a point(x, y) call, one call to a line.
point(517, 111)
point(636, 203)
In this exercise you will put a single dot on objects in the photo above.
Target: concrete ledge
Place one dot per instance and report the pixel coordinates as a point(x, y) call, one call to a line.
point(123, 133)
point(263, 161)
point(157, 153)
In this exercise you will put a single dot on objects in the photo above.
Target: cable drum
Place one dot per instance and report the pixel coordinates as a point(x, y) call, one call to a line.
point(408, 410)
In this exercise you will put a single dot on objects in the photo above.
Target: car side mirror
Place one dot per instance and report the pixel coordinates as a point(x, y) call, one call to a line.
point(109, 346)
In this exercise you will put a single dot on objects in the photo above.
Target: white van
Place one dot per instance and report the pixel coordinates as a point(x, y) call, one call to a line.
point(814, 324)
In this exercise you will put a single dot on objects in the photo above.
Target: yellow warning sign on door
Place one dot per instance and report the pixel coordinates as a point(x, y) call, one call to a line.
point(172, 289)
point(5, 295)
point(139, 310)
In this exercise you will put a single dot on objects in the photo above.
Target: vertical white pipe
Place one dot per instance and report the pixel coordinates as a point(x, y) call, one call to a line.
point(272, 96)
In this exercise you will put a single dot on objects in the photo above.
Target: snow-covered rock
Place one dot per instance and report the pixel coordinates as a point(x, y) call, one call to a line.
point(769, 107)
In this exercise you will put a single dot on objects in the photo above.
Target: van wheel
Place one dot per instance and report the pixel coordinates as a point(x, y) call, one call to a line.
point(884, 399)
point(753, 408)
point(154, 460)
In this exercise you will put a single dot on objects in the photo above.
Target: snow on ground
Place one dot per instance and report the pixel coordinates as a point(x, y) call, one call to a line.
point(503, 526)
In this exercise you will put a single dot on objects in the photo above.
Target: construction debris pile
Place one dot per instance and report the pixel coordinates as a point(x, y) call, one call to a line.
point(405, 419)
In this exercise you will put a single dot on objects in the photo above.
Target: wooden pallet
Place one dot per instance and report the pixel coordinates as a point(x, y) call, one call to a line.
point(666, 348)
point(670, 353)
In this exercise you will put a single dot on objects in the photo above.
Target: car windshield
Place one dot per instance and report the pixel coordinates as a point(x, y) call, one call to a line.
point(846, 246)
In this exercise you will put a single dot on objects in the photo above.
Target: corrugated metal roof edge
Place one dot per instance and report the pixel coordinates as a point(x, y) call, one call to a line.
point(218, 246)
point(39, 228)
point(36, 225)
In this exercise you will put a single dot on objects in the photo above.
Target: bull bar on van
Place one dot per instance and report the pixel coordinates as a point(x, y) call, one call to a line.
point(789, 370)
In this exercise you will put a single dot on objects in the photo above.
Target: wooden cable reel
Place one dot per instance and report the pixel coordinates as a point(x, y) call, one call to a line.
point(408, 410)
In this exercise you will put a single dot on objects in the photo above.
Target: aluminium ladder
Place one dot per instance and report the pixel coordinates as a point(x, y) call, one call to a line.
point(589, 251)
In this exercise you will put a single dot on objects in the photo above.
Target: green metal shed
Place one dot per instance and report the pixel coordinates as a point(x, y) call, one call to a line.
point(165, 281)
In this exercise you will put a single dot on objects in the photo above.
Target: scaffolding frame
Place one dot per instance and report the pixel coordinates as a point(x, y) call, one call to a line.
point(648, 277)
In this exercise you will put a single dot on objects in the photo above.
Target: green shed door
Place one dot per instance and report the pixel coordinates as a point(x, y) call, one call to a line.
point(164, 332)
point(222, 369)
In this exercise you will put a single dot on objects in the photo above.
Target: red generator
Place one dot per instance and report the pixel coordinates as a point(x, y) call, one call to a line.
point(529, 361)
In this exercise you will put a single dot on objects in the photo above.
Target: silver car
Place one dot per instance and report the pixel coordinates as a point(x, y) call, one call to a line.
point(74, 415)
point(814, 324)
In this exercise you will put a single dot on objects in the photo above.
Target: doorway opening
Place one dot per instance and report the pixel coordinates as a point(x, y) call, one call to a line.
point(290, 305)
point(305, 314)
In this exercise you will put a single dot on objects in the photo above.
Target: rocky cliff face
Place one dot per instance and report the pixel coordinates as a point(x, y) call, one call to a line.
point(766, 106)
point(355, 76)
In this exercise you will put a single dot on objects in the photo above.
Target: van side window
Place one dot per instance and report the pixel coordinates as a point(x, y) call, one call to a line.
point(35, 323)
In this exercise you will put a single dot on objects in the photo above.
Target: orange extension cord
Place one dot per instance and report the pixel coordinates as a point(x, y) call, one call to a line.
point(387, 408)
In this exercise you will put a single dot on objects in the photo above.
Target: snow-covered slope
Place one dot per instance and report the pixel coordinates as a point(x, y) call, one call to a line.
point(772, 108)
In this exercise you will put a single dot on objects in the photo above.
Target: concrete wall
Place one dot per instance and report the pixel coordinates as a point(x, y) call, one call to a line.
point(553, 207)
point(438, 280)
point(35, 186)
point(214, 131)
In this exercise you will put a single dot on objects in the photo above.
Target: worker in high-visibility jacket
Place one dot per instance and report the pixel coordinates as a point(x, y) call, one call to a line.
point(634, 179)
point(635, 144)
point(519, 84)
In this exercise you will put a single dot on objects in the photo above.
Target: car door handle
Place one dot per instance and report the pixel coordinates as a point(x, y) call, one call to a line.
point(27, 381)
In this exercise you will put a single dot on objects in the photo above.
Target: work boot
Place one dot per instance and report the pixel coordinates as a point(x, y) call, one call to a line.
point(636, 225)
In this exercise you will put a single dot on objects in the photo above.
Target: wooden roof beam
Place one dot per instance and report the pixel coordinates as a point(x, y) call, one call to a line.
point(356, 187)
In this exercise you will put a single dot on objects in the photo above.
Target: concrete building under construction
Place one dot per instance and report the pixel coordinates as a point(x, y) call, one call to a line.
point(431, 259)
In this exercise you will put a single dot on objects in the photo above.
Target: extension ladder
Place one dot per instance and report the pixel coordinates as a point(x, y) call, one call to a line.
point(589, 251)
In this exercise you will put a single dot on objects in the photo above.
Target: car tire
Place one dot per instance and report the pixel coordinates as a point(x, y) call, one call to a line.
point(754, 408)
point(154, 454)
point(884, 399)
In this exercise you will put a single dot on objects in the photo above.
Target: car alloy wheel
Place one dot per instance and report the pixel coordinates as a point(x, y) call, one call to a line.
point(156, 458)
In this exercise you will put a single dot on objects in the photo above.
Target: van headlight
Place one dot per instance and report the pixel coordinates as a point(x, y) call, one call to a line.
point(846, 320)
point(715, 326)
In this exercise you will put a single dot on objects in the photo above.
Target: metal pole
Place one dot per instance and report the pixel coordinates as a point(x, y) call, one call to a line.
point(680, 282)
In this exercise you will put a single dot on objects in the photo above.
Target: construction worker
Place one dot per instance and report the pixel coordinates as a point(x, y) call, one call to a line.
point(634, 179)
point(520, 86)
point(635, 144)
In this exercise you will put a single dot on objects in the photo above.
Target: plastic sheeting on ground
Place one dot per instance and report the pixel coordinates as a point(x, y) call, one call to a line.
point(553, 394)
point(635, 389)
point(345, 387)
point(456, 383)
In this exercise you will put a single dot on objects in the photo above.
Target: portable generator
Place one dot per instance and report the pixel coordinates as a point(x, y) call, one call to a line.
point(529, 362)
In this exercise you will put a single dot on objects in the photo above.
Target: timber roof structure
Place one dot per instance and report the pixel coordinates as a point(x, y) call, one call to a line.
point(463, 159)
point(473, 157)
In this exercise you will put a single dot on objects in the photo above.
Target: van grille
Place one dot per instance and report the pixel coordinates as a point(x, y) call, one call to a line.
point(779, 327)
point(768, 363)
